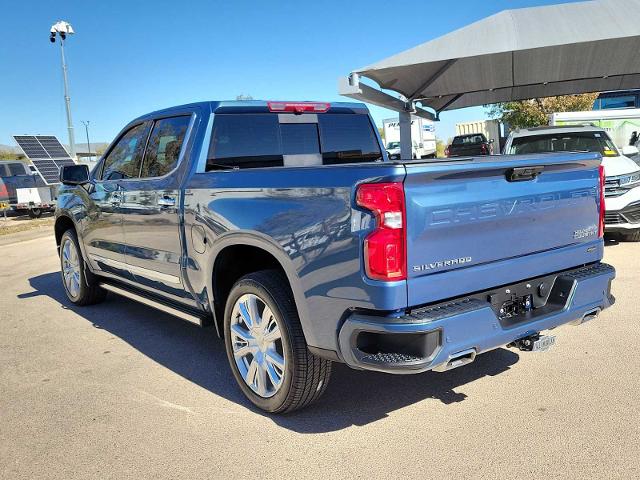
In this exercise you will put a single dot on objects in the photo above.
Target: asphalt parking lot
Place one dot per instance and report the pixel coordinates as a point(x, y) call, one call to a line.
point(119, 390)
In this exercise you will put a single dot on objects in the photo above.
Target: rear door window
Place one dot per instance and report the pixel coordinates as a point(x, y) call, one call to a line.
point(163, 148)
point(260, 140)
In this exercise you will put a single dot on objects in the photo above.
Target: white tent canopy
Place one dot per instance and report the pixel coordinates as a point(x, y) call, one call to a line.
point(514, 55)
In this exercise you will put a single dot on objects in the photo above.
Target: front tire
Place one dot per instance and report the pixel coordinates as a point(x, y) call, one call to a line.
point(80, 285)
point(266, 347)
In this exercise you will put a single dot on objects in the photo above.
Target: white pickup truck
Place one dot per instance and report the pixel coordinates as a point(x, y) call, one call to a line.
point(622, 184)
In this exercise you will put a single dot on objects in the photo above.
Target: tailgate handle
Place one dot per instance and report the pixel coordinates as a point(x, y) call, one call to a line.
point(520, 174)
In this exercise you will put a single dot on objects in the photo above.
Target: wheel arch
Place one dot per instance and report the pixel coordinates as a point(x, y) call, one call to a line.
point(62, 224)
point(237, 255)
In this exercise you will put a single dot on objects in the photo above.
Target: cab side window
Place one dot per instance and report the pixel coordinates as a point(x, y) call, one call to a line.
point(164, 146)
point(16, 169)
point(125, 158)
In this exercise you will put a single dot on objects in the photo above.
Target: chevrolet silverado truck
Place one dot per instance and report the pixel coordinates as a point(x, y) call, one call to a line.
point(284, 226)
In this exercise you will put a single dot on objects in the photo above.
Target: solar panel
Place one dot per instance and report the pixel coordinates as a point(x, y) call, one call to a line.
point(31, 146)
point(46, 153)
point(52, 146)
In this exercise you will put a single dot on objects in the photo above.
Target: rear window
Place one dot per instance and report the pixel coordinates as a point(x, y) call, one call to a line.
point(16, 169)
point(469, 140)
point(260, 140)
point(597, 142)
point(624, 101)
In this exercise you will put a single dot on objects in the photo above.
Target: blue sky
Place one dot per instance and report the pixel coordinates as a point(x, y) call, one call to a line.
point(131, 57)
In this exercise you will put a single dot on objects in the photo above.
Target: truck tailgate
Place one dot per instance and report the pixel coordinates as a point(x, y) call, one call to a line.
point(472, 226)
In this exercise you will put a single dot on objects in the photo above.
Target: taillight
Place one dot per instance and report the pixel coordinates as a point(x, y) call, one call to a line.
point(483, 148)
point(446, 152)
point(602, 205)
point(384, 249)
point(298, 107)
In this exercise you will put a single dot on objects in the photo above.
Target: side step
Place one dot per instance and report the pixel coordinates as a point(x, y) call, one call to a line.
point(158, 305)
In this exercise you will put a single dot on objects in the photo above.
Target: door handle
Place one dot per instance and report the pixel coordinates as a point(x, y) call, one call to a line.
point(167, 201)
point(521, 174)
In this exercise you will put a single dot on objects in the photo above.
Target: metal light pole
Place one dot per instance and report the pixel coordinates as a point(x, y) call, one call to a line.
point(63, 29)
point(86, 129)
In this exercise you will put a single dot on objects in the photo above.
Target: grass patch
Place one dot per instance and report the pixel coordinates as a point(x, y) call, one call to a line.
point(10, 225)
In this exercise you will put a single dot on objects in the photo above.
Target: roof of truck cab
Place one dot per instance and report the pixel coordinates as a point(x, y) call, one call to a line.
point(526, 132)
point(248, 106)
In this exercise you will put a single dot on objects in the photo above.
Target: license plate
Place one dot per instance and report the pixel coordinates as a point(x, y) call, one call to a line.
point(545, 342)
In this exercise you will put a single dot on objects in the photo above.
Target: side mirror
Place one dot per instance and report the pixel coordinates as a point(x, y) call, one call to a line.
point(74, 174)
point(630, 151)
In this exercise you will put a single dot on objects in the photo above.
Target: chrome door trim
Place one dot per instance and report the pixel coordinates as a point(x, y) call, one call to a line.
point(136, 270)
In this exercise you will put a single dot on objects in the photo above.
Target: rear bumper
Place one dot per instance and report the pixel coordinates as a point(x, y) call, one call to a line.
point(451, 334)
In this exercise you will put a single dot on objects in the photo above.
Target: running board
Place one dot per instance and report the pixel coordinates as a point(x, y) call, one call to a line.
point(176, 312)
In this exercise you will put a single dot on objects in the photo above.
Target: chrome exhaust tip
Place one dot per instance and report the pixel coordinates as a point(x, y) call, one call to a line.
point(456, 360)
point(587, 317)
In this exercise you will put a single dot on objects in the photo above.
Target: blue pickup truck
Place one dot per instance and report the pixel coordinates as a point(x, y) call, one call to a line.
point(284, 226)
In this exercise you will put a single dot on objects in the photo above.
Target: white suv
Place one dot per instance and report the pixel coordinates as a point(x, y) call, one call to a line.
point(622, 182)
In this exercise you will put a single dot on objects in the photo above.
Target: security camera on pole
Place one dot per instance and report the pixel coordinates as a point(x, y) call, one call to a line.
point(63, 29)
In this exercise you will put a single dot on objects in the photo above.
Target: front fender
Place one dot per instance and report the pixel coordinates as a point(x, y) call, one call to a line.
point(71, 206)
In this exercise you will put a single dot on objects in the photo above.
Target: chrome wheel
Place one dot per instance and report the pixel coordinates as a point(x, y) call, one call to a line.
point(71, 268)
point(256, 343)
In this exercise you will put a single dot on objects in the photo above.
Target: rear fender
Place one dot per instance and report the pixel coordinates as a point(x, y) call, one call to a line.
point(263, 242)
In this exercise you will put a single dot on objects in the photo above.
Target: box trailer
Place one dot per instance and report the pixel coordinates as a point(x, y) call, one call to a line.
point(490, 129)
point(423, 134)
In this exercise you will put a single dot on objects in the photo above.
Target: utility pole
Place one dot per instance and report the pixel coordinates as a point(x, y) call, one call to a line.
point(86, 129)
point(63, 29)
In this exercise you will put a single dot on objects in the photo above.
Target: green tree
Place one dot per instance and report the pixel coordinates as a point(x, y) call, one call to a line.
point(535, 112)
point(9, 155)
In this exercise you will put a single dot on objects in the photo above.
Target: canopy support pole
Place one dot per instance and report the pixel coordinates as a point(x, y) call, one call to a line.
point(406, 141)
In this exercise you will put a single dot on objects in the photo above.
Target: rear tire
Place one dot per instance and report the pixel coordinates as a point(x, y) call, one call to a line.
point(35, 212)
point(631, 237)
point(266, 347)
point(80, 285)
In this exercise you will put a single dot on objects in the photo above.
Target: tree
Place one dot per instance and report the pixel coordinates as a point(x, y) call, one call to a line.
point(100, 149)
point(535, 112)
point(9, 155)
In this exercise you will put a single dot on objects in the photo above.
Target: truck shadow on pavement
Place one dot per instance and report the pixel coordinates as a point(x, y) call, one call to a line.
point(352, 397)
